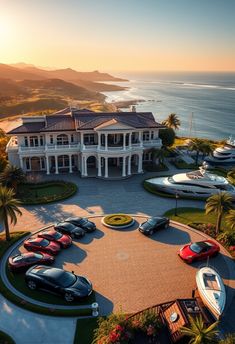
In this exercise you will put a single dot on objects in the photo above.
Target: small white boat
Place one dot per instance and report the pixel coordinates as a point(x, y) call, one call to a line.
point(212, 290)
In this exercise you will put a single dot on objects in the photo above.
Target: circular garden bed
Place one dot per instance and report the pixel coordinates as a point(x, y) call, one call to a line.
point(118, 221)
point(46, 192)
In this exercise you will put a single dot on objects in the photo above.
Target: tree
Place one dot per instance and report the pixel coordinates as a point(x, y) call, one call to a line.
point(197, 146)
point(207, 148)
point(158, 154)
point(167, 136)
point(12, 176)
point(199, 333)
point(172, 121)
point(230, 219)
point(3, 143)
point(229, 339)
point(8, 208)
point(218, 204)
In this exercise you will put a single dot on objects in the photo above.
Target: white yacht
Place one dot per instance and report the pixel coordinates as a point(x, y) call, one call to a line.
point(223, 155)
point(200, 183)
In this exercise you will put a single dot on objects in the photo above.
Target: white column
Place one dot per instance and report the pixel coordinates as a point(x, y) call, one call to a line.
point(106, 141)
point(106, 168)
point(99, 167)
point(130, 134)
point(85, 166)
point(81, 140)
point(124, 166)
point(124, 141)
point(56, 164)
point(70, 164)
point(47, 165)
point(99, 140)
point(140, 139)
point(140, 164)
point(82, 166)
point(21, 163)
point(129, 164)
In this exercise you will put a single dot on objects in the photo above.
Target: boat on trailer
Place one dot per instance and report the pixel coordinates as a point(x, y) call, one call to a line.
point(211, 290)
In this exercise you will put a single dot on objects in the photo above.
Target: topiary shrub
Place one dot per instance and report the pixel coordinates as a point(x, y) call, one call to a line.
point(117, 220)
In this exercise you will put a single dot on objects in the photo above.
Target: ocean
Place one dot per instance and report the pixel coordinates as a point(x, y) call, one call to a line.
point(204, 102)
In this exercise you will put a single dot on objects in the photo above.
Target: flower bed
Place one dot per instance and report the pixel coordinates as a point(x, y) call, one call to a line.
point(119, 329)
point(118, 220)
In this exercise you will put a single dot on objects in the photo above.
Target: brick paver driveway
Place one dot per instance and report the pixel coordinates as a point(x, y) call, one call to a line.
point(133, 271)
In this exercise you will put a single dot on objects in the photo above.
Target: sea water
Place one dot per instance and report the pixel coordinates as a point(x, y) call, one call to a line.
point(204, 102)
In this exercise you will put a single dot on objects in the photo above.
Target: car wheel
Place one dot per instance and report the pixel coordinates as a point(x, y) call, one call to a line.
point(32, 285)
point(68, 297)
point(151, 232)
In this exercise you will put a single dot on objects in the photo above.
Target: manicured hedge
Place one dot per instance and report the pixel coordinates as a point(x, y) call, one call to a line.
point(46, 192)
point(118, 220)
point(155, 168)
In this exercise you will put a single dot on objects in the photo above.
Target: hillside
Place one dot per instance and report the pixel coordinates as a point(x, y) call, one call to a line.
point(25, 88)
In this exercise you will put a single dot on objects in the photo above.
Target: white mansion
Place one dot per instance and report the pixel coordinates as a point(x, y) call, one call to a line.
point(96, 144)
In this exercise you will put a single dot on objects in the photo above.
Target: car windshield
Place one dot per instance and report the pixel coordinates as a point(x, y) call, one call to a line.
point(57, 235)
point(196, 247)
point(66, 279)
point(83, 221)
point(151, 221)
point(44, 243)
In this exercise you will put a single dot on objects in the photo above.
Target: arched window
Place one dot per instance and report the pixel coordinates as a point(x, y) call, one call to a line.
point(62, 139)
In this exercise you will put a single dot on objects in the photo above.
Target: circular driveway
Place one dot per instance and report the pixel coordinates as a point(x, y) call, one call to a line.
point(132, 271)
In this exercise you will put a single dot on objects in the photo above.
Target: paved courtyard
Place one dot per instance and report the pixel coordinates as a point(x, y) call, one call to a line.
point(96, 197)
point(133, 271)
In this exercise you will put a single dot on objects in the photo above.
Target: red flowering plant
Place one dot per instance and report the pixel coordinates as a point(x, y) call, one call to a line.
point(150, 323)
point(115, 329)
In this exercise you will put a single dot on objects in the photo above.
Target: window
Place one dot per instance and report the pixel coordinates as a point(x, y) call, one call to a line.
point(152, 135)
point(63, 161)
point(33, 141)
point(62, 139)
point(146, 136)
point(41, 141)
point(27, 162)
point(72, 138)
point(51, 139)
point(89, 139)
point(26, 141)
point(42, 163)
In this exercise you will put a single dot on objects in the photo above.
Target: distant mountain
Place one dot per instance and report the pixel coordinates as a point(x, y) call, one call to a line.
point(10, 88)
point(13, 73)
point(70, 74)
point(60, 88)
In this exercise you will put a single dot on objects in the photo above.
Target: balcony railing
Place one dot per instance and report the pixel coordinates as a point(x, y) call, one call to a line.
point(70, 146)
point(154, 143)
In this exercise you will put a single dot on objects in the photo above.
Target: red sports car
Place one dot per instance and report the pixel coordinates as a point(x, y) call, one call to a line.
point(23, 261)
point(51, 234)
point(42, 245)
point(199, 251)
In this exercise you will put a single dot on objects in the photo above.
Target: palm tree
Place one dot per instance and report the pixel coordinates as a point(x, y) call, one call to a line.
point(159, 154)
point(207, 148)
point(12, 176)
point(172, 121)
point(218, 204)
point(199, 333)
point(8, 208)
point(229, 339)
point(197, 146)
point(230, 218)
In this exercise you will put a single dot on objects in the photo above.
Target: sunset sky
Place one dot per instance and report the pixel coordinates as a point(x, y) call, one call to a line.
point(119, 35)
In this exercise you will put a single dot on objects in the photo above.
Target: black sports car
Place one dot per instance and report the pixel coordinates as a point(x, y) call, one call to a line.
point(58, 281)
point(70, 229)
point(153, 224)
point(82, 222)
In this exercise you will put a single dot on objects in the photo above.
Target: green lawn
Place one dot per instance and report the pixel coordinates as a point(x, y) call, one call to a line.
point(84, 330)
point(189, 215)
point(40, 193)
